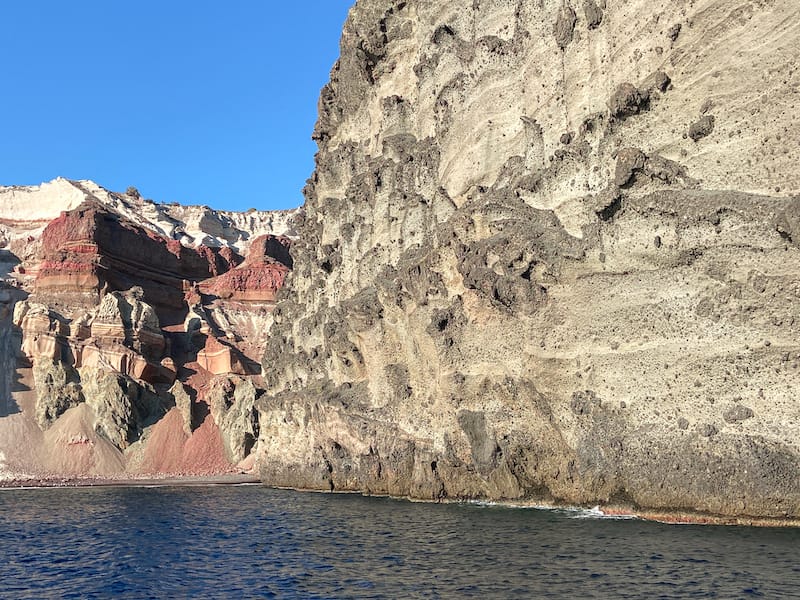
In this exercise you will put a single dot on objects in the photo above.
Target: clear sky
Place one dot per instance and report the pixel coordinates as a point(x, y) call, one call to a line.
point(194, 101)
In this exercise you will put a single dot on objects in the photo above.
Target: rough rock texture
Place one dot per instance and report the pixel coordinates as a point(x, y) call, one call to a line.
point(114, 321)
point(232, 401)
point(123, 406)
point(35, 206)
point(58, 390)
point(483, 307)
point(259, 277)
point(183, 402)
point(91, 248)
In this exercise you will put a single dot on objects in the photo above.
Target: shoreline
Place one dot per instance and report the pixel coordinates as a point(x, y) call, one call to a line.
point(153, 480)
point(678, 517)
point(664, 516)
point(611, 511)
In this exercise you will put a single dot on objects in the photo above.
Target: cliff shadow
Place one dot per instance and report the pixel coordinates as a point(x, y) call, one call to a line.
point(8, 262)
point(11, 356)
point(251, 366)
point(199, 409)
point(200, 412)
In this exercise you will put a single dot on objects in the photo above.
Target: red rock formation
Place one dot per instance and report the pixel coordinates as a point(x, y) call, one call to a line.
point(91, 249)
point(219, 357)
point(124, 324)
point(261, 275)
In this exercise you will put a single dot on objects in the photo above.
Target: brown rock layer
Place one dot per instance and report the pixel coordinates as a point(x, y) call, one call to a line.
point(91, 249)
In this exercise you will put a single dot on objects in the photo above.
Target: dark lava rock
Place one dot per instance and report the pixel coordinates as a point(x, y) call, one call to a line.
point(629, 160)
point(627, 101)
point(700, 129)
point(708, 430)
point(737, 413)
point(565, 26)
point(594, 14)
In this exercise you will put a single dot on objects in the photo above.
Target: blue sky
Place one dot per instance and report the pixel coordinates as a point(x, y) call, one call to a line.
point(195, 101)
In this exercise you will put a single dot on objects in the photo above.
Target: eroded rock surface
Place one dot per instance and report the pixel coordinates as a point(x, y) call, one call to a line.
point(520, 277)
point(115, 322)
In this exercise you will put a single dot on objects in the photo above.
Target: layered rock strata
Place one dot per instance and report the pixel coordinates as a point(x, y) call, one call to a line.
point(549, 253)
point(118, 336)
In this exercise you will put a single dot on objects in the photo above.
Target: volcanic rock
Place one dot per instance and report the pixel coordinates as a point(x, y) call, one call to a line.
point(219, 357)
point(90, 249)
point(95, 354)
point(701, 128)
point(57, 390)
point(122, 406)
point(259, 278)
point(232, 401)
point(477, 310)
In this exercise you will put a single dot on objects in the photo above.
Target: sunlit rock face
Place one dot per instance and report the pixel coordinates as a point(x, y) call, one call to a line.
point(549, 252)
point(118, 316)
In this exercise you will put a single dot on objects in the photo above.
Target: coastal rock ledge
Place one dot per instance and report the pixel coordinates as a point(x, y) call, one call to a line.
point(549, 253)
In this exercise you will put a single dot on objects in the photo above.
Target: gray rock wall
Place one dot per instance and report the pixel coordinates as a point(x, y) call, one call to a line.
point(533, 266)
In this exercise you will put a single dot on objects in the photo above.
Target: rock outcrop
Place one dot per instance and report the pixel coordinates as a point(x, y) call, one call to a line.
point(117, 325)
point(232, 401)
point(533, 266)
point(92, 248)
point(549, 253)
point(259, 278)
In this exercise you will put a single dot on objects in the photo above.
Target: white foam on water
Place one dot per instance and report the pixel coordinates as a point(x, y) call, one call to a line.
point(571, 512)
point(597, 513)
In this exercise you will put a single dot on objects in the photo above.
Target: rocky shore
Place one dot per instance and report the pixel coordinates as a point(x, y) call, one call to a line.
point(153, 480)
point(548, 255)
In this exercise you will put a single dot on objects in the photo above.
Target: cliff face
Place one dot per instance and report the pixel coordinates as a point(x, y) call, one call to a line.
point(549, 252)
point(121, 333)
point(91, 248)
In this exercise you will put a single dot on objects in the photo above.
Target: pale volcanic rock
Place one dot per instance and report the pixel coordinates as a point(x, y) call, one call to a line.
point(191, 225)
point(43, 330)
point(232, 401)
point(57, 390)
point(122, 335)
point(124, 318)
point(218, 357)
point(520, 277)
point(183, 404)
point(123, 406)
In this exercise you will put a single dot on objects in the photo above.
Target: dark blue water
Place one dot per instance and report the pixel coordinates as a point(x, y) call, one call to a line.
point(252, 542)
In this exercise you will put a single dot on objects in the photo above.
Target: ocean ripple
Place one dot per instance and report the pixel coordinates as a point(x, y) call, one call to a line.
point(246, 542)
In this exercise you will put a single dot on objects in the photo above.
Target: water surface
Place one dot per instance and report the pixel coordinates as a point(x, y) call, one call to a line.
point(253, 542)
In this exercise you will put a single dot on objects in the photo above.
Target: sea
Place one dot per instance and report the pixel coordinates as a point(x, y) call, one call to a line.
point(254, 542)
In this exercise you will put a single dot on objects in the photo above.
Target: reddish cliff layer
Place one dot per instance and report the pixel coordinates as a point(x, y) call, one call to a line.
point(261, 275)
point(91, 249)
point(129, 352)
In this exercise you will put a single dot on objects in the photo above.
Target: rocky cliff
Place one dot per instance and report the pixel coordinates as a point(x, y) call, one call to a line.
point(123, 326)
point(549, 252)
